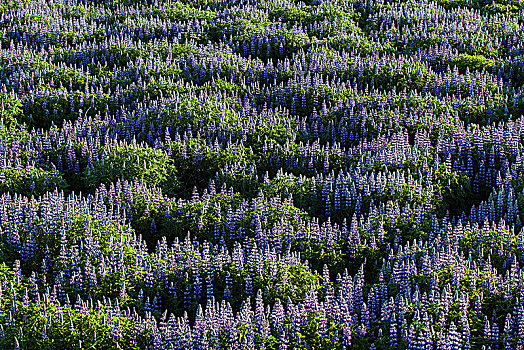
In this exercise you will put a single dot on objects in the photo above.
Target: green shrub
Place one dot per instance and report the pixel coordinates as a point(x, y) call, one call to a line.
point(10, 109)
point(29, 181)
point(133, 162)
point(474, 63)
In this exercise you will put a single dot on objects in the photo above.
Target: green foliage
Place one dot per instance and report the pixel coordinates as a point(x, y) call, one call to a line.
point(181, 12)
point(124, 54)
point(10, 109)
point(473, 63)
point(310, 336)
point(56, 108)
point(510, 7)
point(10, 5)
point(456, 192)
point(69, 328)
point(30, 181)
point(133, 162)
point(26, 178)
point(291, 14)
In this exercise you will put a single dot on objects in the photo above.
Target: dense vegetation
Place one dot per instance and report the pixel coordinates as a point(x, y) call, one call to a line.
point(239, 174)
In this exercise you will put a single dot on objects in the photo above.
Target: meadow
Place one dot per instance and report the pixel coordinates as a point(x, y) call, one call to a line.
point(273, 174)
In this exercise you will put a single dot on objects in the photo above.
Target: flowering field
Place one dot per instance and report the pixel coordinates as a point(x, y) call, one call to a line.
point(244, 174)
